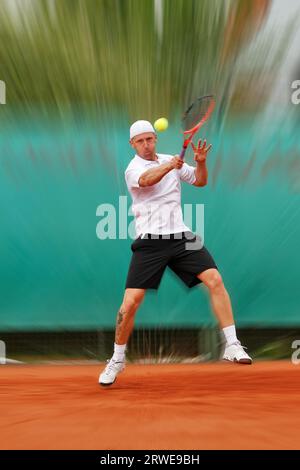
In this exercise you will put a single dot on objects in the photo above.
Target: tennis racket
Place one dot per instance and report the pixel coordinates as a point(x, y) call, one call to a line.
point(195, 116)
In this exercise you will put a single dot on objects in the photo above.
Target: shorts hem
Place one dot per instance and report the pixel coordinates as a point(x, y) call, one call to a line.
point(141, 287)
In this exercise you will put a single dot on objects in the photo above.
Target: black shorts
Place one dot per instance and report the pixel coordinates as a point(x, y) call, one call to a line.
point(183, 253)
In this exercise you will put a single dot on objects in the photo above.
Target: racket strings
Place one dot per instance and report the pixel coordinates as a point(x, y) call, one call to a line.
point(196, 112)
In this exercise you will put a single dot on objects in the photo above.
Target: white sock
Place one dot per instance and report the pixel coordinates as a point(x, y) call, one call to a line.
point(119, 352)
point(230, 334)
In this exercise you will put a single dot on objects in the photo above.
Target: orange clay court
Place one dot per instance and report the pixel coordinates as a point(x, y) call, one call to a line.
point(186, 406)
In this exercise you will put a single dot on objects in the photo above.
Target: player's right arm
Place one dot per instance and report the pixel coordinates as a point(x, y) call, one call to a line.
point(154, 175)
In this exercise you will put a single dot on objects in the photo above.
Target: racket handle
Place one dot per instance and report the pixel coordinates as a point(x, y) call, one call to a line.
point(182, 154)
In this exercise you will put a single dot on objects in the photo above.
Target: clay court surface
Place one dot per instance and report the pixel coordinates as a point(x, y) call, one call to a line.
point(187, 406)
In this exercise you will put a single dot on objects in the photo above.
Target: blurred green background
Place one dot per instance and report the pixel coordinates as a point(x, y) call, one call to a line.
point(77, 73)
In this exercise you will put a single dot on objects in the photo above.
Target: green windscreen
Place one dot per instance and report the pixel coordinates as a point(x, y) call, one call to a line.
point(56, 273)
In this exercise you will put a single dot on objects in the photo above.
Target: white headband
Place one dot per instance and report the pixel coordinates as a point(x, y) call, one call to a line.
point(139, 127)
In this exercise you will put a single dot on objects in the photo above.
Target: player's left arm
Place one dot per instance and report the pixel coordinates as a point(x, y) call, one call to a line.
point(200, 155)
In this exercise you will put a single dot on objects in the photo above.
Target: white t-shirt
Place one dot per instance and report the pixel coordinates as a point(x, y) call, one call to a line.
point(157, 208)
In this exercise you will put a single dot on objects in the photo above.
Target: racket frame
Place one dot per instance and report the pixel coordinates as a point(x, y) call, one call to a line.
point(196, 128)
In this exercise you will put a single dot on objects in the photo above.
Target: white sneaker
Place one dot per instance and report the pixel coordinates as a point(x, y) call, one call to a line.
point(235, 353)
point(110, 372)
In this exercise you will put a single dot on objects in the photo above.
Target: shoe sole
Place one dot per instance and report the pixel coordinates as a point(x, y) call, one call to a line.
point(244, 361)
point(106, 385)
point(241, 361)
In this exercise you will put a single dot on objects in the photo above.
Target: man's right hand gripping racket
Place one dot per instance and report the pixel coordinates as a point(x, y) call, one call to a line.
point(195, 116)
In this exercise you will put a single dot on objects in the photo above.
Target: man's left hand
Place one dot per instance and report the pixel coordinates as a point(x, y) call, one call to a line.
point(200, 152)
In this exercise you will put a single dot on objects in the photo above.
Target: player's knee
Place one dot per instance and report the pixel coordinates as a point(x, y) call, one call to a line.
point(131, 303)
point(215, 281)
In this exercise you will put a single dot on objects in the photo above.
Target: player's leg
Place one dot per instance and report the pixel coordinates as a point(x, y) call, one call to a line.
point(193, 263)
point(125, 321)
point(148, 263)
point(219, 297)
point(222, 309)
point(125, 318)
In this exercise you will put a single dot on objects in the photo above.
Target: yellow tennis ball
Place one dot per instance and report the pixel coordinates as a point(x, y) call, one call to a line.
point(161, 124)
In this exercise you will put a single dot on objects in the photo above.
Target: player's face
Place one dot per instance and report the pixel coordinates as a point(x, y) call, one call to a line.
point(144, 145)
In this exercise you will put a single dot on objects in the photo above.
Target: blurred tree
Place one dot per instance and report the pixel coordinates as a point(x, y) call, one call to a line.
point(109, 54)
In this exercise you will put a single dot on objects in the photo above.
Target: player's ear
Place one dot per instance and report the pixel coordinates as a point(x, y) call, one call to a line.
point(131, 142)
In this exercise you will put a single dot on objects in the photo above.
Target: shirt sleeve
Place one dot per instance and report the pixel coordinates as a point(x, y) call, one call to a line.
point(187, 173)
point(132, 177)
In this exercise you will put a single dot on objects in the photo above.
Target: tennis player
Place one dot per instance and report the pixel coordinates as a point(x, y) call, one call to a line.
point(154, 182)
